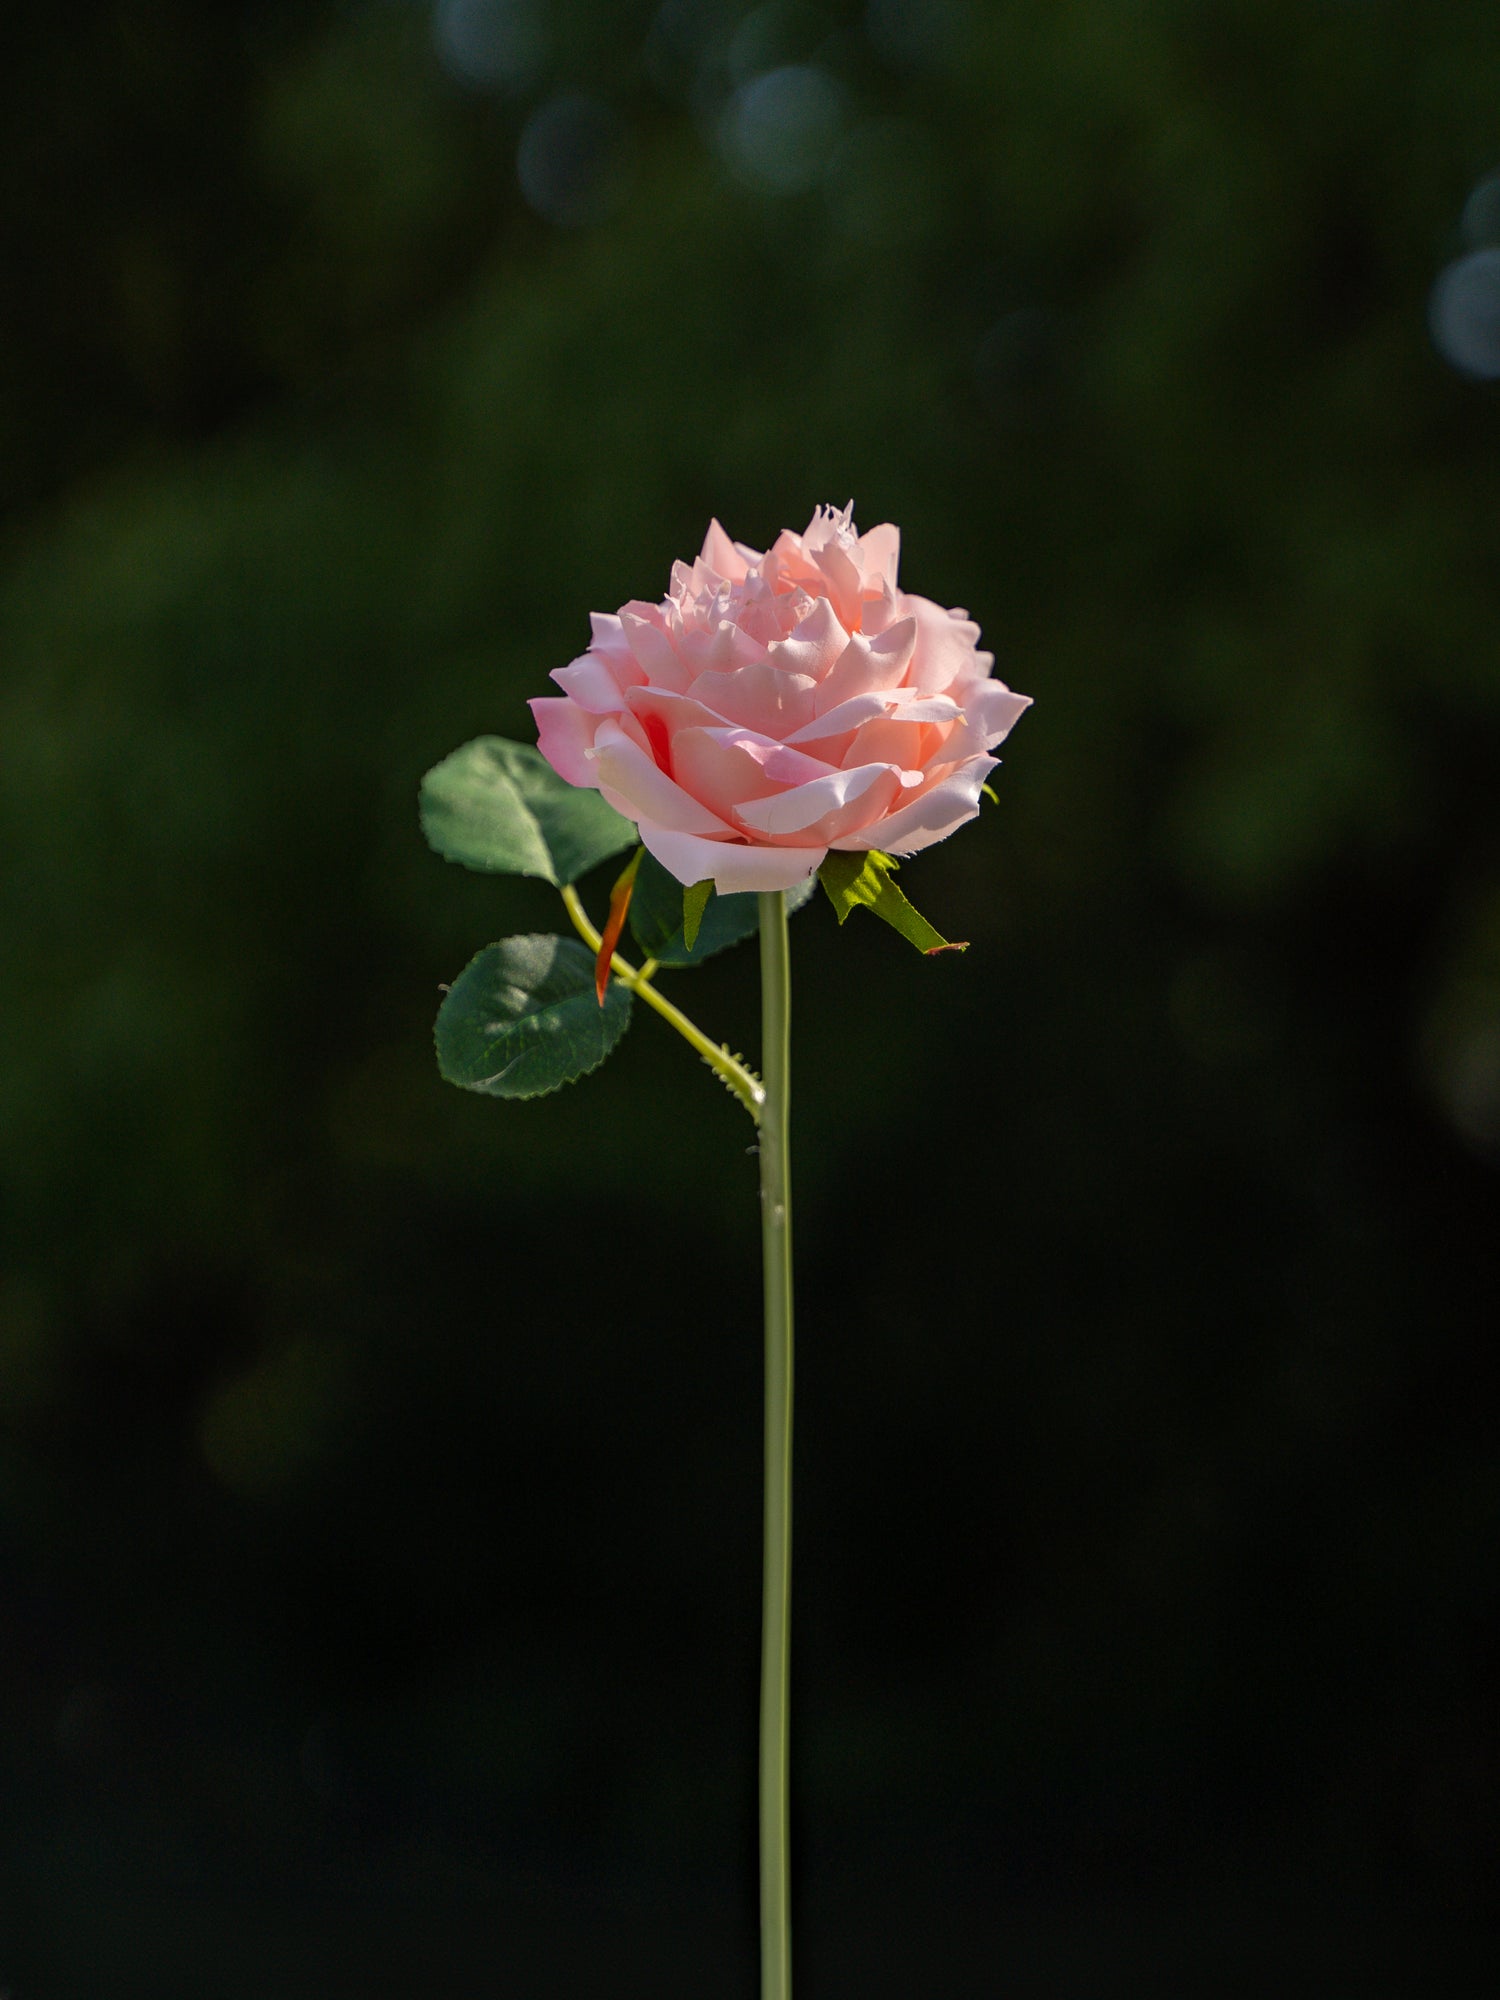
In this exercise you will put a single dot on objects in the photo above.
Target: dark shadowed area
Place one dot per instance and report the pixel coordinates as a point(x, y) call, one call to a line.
point(379, 1464)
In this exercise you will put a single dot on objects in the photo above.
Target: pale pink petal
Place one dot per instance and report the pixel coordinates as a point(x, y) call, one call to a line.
point(897, 703)
point(764, 698)
point(868, 664)
point(888, 740)
point(932, 816)
point(945, 645)
point(842, 582)
point(653, 649)
point(879, 554)
point(827, 806)
point(878, 613)
point(565, 737)
point(734, 867)
point(592, 683)
point(828, 524)
point(718, 767)
point(724, 558)
point(723, 651)
point(814, 644)
point(996, 710)
point(635, 786)
point(677, 711)
point(721, 766)
point(608, 639)
point(846, 716)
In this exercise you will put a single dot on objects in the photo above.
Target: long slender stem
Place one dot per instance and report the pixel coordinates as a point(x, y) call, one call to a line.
point(776, 1246)
point(745, 1084)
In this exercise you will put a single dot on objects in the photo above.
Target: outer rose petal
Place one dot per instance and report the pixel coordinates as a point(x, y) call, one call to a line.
point(945, 645)
point(565, 736)
point(733, 868)
point(879, 553)
point(829, 806)
point(895, 703)
point(653, 650)
point(997, 711)
point(635, 786)
point(593, 684)
point(932, 817)
point(724, 767)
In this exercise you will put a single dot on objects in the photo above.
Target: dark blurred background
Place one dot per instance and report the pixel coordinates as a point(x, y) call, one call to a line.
point(379, 1466)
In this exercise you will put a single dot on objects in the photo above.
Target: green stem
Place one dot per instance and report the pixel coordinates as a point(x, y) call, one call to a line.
point(745, 1084)
point(776, 1246)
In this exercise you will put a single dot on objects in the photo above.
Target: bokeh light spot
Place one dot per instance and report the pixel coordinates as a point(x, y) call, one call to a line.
point(571, 161)
point(778, 129)
point(1464, 314)
point(492, 44)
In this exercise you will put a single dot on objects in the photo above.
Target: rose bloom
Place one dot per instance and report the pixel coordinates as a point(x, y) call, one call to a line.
point(774, 706)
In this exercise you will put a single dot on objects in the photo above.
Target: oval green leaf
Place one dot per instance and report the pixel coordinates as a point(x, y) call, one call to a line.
point(523, 1018)
point(656, 916)
point(500, 807)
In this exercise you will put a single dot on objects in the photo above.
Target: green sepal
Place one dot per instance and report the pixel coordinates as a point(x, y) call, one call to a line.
point(523, 1018)
point(658, 916)
point(991, 794)
point(500, 807)
point(852, 879)
point(694, 903)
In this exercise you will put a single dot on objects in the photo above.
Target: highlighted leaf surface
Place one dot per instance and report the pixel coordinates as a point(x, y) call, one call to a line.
point(852, 879)
point(500, 807)
point(658, 916)
point(522, 1018)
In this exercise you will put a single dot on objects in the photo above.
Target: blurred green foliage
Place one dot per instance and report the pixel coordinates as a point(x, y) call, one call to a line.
point(378, 1502)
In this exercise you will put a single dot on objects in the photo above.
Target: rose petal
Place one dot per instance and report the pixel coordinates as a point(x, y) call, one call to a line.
point(677, 711)
point(609, 640)
point(996, 710)
point(565, 736)
point(888, 740)
point(930, 817)
point(868, 664)
point(653, 649)
point(897, 704)
point(725, 650)
point(762, 697)
point(593, 684)
point(832, 804)
point(723, 557)
point(945, 645)
point(719, 768)
point(879, 554)
point(814, 644)
point(635, 786)
point(734, 867)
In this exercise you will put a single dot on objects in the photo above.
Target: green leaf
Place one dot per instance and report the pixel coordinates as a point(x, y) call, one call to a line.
point(523, 1018)
point(658, 916)
point(694, 903)
point(501, 807)
point(851, 879)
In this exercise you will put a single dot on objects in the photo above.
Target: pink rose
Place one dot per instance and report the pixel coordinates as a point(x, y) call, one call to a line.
point(774, 706)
